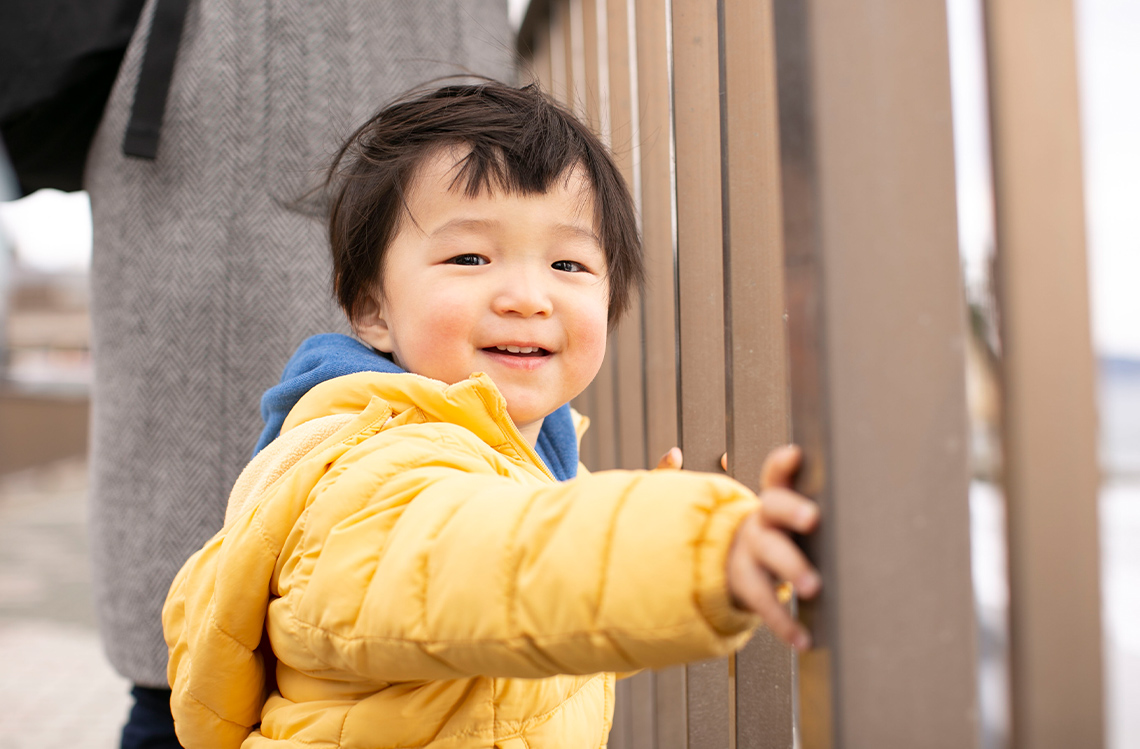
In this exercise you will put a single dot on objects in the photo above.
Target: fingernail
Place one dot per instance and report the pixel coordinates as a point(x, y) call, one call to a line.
point(802, 642)
point(807, 515)
point(808, 584)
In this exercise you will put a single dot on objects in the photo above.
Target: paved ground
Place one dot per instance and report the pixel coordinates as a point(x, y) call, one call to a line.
point(56, 688)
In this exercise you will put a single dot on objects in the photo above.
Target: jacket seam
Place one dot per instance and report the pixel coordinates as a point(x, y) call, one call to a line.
point(609, 635)
point(262, 532)
point(516, 558)
point(607, 550)
point(212, 711)
point(521, 726)
point(365, 430)
point(497, 414)
point(217, 625)
point(536, 720)
point(514, 640)
point(548, 663)
point(256, 520)
point(424, 567)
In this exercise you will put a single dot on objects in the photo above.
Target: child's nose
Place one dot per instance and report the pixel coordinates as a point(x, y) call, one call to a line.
point(523, 296)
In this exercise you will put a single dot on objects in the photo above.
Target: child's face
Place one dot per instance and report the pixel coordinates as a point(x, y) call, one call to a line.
point(469, 279)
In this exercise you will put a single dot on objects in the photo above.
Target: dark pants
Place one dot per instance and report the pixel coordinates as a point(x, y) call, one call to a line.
point(150, 725)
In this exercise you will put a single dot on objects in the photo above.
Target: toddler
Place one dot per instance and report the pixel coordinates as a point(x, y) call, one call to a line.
point(415, 556)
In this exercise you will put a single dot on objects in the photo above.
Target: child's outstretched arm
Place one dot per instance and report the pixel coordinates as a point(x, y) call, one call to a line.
point(424, 554)
point(419, 558)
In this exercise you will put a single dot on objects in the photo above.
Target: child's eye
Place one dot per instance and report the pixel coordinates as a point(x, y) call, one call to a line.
point(468, 259)
point(568, 265)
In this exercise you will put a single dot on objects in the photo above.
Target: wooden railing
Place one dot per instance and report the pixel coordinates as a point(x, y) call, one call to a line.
point(793, 166)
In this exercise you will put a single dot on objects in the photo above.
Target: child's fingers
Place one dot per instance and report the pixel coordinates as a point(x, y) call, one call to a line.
point(787, 509)
point(776, 553)
point(780, 467)
point(671, 459)
point(754, 591)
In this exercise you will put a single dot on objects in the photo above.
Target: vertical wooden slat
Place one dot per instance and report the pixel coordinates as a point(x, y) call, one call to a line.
point(659, 309)
point(562, 10)
point(643, 721)
point(1049, 410)
point(696, 114)
point(636, 699)
point(584, 22)
point(754, 281)
point(591, 92)
point(671, 725)
point(657, 227)
point(803, 289)
point(877, 330)
point(562, 34)
point(556, 32)
point(536, 58)
point(621, 733)
point(619, 116)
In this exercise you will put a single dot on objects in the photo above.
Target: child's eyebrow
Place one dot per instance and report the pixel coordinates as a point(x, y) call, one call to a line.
point(488, 224)
point(467, 224)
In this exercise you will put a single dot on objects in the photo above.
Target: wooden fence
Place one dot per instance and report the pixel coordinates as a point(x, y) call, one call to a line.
point(793, 166)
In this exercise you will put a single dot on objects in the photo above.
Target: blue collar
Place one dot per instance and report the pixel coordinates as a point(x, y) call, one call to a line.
point(323, 357)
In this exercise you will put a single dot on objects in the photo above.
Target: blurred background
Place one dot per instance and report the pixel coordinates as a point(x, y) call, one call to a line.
point(48, 641)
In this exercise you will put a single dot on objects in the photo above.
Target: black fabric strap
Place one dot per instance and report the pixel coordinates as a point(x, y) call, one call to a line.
point(147, 109)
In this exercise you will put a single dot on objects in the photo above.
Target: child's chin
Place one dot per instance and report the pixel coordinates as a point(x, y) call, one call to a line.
point(525, 415)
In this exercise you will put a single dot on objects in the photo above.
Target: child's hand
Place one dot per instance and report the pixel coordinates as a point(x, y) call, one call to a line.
point(671, 459)
point(762, 554)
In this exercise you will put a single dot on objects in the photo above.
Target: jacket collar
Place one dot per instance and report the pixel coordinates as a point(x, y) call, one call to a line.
point(332, 373)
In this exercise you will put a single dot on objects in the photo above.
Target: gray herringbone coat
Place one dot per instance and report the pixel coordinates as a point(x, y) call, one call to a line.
point(204, 282)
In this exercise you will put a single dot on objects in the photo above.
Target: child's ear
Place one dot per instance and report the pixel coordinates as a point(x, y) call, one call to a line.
point(372, 327)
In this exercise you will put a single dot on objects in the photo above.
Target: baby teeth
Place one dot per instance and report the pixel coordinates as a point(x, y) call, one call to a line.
point(518, 349)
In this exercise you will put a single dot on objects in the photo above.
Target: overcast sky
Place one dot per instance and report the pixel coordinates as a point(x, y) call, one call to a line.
point(1109, 38)
point(1108, 47)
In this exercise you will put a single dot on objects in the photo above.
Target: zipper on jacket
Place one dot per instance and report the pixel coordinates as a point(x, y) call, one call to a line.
point(518, 441)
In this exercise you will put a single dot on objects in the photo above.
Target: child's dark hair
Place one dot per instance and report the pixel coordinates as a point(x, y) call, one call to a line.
point(519, 140)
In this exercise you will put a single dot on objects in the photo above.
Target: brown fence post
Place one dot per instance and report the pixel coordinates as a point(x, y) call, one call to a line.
point(700, 299)
point(1049, 411)
point(659, 322)
point(876, 323)
point(619, 114)
point(599, 402)
point(754, 302)
point(635, 701)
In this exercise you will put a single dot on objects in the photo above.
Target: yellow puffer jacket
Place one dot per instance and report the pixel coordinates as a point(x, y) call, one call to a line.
point(424, 581)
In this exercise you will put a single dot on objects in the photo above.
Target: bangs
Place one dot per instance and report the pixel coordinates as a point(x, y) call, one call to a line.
point(515, 139)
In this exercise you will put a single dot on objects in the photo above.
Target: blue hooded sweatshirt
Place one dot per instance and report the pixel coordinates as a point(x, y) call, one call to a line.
point(323, 357)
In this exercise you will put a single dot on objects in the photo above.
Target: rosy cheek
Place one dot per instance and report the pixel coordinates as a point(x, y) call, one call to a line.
point(590, 333)
point(442, 337)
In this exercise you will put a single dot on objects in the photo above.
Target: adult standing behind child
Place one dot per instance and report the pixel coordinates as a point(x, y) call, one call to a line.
point(204, 279)
point(418, 559)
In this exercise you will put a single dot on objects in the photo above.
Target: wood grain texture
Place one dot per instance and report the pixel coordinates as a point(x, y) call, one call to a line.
point(700, 299)
point(877, 330)
point(1048, 377)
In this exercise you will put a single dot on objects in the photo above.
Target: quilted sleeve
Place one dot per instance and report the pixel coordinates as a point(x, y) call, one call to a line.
point(411, 569)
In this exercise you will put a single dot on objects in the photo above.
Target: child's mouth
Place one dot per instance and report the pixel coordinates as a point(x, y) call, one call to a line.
point(519, 351)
